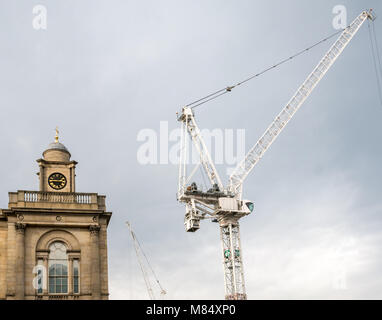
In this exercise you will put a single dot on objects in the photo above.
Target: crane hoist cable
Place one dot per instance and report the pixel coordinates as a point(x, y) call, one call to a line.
point(376, 59)
point(377, 48)
point(228, 89)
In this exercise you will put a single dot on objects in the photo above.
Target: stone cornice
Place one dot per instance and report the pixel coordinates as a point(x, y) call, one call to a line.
point(43, 161)
point(31, 211)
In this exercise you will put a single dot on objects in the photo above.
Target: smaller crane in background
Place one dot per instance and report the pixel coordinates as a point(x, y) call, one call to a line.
point(139, 251)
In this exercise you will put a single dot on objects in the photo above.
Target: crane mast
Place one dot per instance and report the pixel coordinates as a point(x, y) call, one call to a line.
point(232, 260)
point(225, 205)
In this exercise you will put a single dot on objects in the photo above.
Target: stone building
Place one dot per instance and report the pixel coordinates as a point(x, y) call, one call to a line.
point(53, 242)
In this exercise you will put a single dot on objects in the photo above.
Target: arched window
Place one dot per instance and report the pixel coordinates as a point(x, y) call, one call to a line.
point(58, 268)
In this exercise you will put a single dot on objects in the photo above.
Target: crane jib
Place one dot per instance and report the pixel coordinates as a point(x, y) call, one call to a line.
point(257, 151)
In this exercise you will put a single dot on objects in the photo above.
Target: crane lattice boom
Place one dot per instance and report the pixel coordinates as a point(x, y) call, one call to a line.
point(254, 155)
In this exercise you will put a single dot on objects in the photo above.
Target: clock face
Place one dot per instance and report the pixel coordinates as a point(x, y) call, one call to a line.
point(57, 181)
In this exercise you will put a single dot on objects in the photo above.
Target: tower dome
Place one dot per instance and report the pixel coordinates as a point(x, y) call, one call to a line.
point(56, 151)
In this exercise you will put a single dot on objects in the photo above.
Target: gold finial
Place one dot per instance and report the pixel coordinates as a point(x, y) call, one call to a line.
point(56, 137)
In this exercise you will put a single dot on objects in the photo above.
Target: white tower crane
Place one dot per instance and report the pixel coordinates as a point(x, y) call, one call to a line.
point(139, 252)
point(225, 205)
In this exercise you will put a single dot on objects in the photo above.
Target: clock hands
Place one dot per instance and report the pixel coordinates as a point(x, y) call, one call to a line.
point(57, 181)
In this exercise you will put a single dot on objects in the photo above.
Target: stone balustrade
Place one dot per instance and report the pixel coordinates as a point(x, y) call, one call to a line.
point(41, 199)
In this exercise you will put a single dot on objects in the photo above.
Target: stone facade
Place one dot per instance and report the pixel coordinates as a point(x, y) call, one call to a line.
point(35, 221)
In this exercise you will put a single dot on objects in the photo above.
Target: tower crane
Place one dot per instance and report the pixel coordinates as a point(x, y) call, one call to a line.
point(139, 252)
point(226, 205)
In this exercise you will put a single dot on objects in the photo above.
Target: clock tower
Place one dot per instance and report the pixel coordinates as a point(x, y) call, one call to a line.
point(57, 171)
point(53, 242)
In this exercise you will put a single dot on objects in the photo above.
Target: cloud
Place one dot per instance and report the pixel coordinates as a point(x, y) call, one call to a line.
point(312, 247)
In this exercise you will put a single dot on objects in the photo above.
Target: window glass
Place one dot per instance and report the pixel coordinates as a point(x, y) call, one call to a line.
point(76, 276)
point(58, 268)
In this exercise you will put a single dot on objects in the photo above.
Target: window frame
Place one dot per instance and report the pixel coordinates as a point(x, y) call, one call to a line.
point(42, 253)
point(74, 276)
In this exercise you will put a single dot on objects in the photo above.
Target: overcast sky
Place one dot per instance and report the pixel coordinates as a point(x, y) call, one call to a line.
point(105, 70)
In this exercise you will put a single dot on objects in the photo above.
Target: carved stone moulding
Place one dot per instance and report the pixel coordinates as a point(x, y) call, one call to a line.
point(20, 227)
point(94, 229)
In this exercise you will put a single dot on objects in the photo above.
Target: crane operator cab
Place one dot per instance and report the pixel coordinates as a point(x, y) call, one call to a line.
point(248, 206)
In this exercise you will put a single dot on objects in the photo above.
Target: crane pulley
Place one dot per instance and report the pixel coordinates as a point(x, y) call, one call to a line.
point(225, 204)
